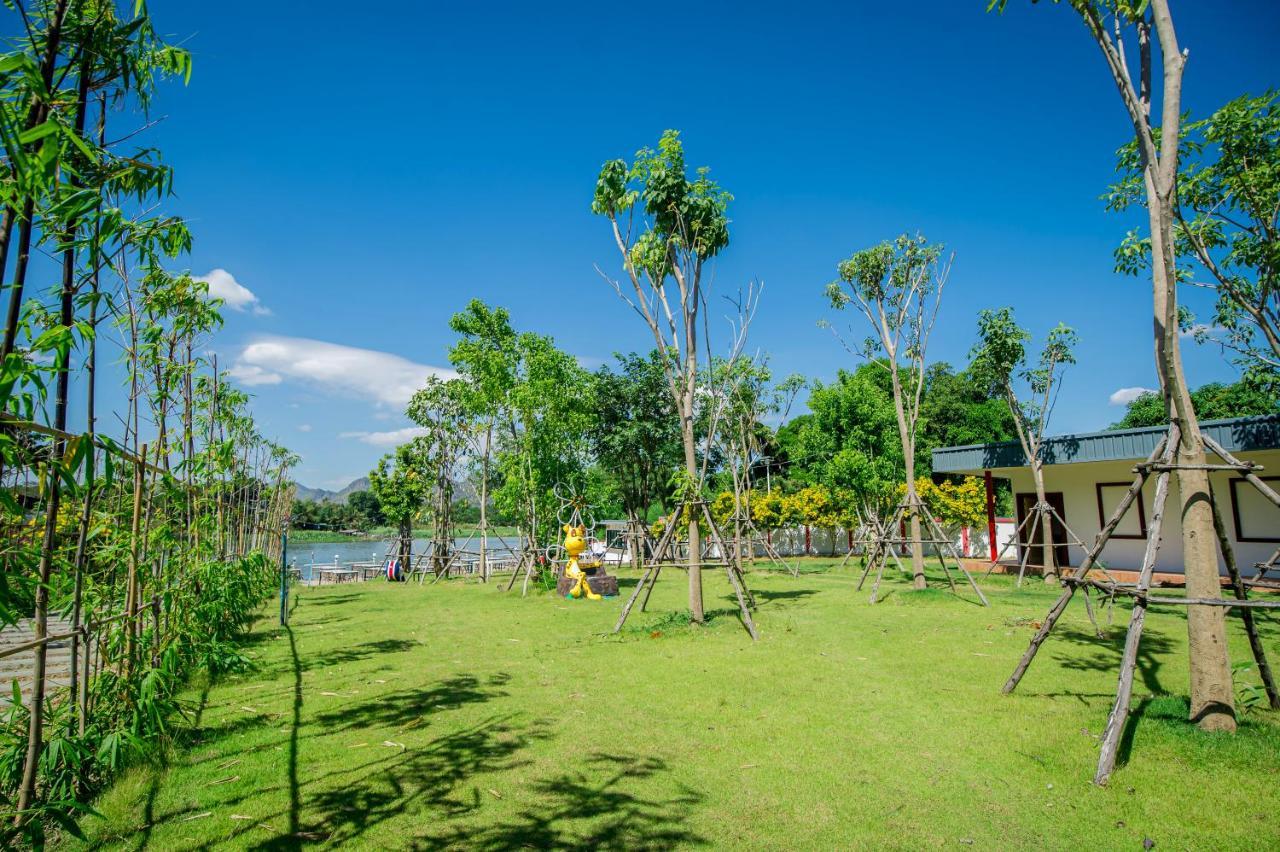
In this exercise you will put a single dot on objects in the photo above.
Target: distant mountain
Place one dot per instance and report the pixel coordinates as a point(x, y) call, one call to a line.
point(324, 495)
point(461, 491)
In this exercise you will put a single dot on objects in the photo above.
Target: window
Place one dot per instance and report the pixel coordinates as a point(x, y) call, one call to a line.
point(1256, 518)
point(1134, 523)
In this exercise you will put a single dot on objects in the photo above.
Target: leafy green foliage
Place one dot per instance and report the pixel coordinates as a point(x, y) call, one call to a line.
point(635, 436)
point(538, 400)
point(1213, 401)
point(1000, 361)
point(361, 511)
point(850, 442)
point(401, 482)
point(211, 491)
point(1225, 234)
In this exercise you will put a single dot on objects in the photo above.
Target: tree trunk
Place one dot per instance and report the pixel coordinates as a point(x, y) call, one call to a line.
point(695, 534)
point(484, 505)
point(35, 115)
point(406, 546)
point(1212, 696)
point(1050, 555)
point(907, 435)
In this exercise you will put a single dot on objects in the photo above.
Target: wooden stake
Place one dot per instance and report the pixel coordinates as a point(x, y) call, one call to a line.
point(1104, 535)
point(1237, 585)
point(1129, 659)
point(1016, 538)
point(1244, 469)
point(1035, 517)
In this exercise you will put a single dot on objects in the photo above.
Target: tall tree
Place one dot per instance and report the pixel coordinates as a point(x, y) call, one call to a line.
point(1000, 357)
point(748, 396)
point(849, 443)
point(441, 409)
point(682, 225)
point(402, 482)
point(959, 409)
point(1110, 23)
point(487, 360)
point(897, 287)
point(538, 399)
point(636, 435)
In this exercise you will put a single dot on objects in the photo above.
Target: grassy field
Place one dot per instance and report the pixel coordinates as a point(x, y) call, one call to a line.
point(456, 716)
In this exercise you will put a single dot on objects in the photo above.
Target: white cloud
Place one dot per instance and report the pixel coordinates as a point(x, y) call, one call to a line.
point(394, 438)
point(304, 427)
point(1199, 329)
point(384, 378)
point(223, 285)
point(1124, 396)
point(251, 375)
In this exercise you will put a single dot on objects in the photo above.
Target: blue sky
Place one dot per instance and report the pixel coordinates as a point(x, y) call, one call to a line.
point(364, 173)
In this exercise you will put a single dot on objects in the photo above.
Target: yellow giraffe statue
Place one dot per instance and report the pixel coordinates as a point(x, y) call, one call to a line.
point(575, 542)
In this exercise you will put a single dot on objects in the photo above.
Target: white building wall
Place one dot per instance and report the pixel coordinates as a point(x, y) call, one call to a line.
point(1077, 483)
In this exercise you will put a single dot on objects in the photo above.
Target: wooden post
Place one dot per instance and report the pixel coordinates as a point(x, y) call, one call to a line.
point(651, 570)
point(1243, 470)
point(1036, 519)
point(1237, 585)
point(871, 556)
point(1104, 535)
point(1129, 660)
point(940, 535)
point(991, 512)
point(1015, 540)
point(733, 567)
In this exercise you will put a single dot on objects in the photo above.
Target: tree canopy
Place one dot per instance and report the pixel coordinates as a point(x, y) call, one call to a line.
point(1214, 401)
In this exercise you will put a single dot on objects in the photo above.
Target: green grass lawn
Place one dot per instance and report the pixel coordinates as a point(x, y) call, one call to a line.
point(457, 716)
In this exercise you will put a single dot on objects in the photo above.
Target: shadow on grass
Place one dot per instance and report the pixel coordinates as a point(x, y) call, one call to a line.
point(770, 595)
point(600, 808)
point(338, 656)
point(1104, 654)
point(402, 707)
point(428, 779)
point(1167, 718)
point(431, 781)
point(328, 600)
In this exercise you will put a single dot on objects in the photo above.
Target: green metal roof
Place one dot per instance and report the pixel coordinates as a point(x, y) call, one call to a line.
point(1236, 434)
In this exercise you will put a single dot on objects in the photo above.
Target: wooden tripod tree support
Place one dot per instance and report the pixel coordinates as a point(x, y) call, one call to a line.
point(529, 562)
point(1161, 463)
point(666, 545)
point(753, 535)
point(1041, 518)
point(865, 534)
point(885, 541)
point(457, 554)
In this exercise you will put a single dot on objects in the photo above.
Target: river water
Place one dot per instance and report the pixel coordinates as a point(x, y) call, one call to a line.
point(310, 556)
